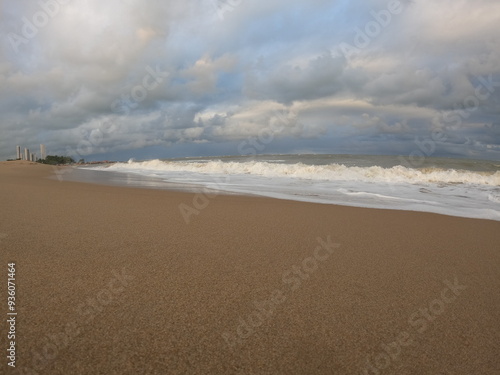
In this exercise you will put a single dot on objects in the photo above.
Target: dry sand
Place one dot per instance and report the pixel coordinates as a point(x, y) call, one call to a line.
point(112, 280)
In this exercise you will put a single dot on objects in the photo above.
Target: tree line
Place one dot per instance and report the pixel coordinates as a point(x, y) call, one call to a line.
point(55, 159)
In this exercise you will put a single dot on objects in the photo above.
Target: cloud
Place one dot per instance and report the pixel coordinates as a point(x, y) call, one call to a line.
point(77, 76)
point(203, 75)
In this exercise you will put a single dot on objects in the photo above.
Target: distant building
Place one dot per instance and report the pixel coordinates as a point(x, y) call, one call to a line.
point(32, 157)
point(43, 153)
point(26, 154)
point(18, 152)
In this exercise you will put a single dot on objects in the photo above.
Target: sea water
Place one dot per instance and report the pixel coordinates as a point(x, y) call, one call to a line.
point(458, 187)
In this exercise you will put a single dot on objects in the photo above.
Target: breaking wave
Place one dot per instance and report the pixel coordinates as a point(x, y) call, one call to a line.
point(330, 172)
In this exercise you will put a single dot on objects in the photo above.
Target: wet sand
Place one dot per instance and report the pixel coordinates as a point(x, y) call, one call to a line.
point(113, 280)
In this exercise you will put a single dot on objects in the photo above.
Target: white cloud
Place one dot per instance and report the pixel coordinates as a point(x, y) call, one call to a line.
point(229, 76)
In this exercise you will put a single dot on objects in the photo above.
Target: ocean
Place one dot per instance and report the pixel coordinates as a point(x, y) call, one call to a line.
point(457, 187)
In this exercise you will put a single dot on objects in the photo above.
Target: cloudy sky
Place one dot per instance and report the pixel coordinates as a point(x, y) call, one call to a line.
point(161, 78)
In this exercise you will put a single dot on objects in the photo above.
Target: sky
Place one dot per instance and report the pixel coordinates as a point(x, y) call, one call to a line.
point(122, 79)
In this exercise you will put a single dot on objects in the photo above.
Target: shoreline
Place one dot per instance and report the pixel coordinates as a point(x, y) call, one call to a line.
point(113, 281)
point(128, 179)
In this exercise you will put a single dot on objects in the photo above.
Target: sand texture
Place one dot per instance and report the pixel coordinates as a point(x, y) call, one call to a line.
point(112, 280)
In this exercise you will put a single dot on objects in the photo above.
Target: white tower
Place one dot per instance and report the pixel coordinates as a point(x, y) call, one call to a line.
point(43, 154)
point(26, 154)
point(18, 152)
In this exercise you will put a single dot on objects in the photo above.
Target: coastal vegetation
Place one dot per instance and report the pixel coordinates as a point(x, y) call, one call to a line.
point(55, 160)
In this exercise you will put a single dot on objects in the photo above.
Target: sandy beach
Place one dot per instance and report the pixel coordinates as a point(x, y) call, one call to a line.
point(113, 280)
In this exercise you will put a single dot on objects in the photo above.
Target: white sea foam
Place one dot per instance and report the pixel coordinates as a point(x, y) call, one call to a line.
point(331, 172)
point(447, 191)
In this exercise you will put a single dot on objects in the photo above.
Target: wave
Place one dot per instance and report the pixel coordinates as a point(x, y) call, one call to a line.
point(379, 196)
point(330, 172)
